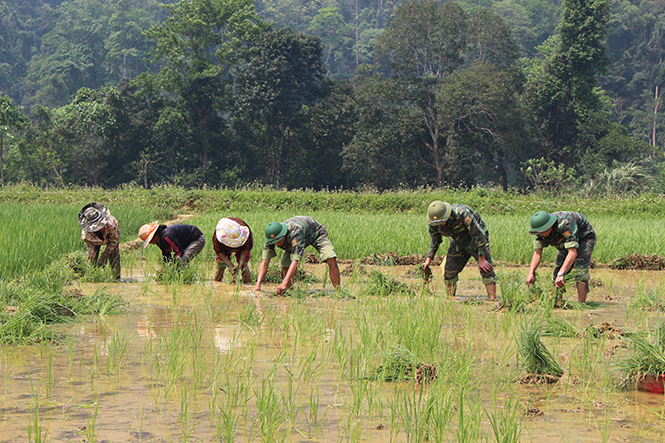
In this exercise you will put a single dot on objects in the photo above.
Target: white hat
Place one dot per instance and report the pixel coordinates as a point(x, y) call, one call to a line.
point(231, 233)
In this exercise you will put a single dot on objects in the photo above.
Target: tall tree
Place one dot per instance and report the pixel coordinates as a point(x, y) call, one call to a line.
point(428, 41)
point(560, 89)
point(283, 76)
point(200, 44)
point(11, 120)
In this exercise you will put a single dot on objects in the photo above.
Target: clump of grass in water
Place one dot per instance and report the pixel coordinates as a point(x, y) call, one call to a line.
point(537, 360)
point(382, 285)
point(274, 275)
point(29, 307)
point(399, 364)
point(173, 273)
point(77, 267)
point(647, 358)
point(556, 326)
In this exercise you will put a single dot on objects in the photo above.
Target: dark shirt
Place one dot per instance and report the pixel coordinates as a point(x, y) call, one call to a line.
point(176, 238)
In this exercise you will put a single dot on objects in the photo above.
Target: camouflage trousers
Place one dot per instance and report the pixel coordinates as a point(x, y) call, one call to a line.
point(582, 262)
point(113, 258)
point(456, 259)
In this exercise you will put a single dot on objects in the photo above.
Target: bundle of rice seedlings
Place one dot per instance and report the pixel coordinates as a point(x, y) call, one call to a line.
point(646, 357)
point(382, 285)
point(556, 326)
point(399, 364)
point(536, 358)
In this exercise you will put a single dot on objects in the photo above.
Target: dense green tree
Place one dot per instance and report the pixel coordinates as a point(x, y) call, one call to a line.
point(282, 77)
point(482, 123)
point(561, 89)
point(12, 120)
point(200, 44)
point(424, 44)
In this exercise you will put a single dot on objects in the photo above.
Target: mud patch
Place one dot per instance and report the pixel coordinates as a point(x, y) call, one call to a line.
point(653, 262)
point(605, 329)
point(538, 379)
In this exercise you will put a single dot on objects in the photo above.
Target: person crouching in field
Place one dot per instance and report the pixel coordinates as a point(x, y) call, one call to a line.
point(469, 237)
point(293, 236)
point(179, 243)
point(233, 237)
point(574, 237)
point(100, 228)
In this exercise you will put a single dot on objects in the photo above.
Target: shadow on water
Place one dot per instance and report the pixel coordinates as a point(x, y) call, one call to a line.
point(214, 362)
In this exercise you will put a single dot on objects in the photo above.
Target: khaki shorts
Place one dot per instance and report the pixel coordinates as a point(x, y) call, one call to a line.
point(324, 247)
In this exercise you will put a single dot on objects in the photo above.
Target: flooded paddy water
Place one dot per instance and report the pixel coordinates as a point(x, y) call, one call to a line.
point(213, 362)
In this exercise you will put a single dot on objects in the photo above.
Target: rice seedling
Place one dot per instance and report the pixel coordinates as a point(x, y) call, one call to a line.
point(557, 326)
point(383, 286)
point(536, 358)
point(506, 422)
point(117, 347)
point(645, 358)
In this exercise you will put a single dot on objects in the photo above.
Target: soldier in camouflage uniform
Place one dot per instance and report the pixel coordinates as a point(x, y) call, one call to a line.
point(469, 237)
point(574, 237)
point(293, 236)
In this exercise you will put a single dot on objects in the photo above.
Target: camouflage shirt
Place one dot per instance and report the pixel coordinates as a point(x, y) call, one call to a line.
point(302, 232)
point(568, 230)
point(466, 229)
point(109, 235)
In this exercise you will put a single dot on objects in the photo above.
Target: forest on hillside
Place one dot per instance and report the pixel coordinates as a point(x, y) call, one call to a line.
point(531, 94)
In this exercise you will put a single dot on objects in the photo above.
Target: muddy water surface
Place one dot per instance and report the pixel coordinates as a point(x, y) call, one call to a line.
point(212, 362)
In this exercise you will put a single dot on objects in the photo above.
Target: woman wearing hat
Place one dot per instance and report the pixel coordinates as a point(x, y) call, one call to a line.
point(233, 236)
point(100, 228)
point(177, 242)
point(574, 237)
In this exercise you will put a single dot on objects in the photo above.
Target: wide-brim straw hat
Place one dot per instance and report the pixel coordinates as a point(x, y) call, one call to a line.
point(231, 233)
point(93, 217)
point(147, 232)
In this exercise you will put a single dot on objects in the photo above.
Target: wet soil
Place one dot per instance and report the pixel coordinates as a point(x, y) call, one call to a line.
point(168, 369)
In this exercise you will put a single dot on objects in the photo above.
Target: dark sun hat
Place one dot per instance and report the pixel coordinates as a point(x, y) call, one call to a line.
point(93, 217)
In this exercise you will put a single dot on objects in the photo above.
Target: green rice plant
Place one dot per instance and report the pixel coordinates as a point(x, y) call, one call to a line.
point(536, 358)
point(117, 348)
point(506, 422)
point(646, 300)
point(36, 431)
point(399, 364)
point(173, 274)
point(645, 358)
point(251, 316)
point(556, 326)
point(270, 416)
point(383, 286)
point(515, 296)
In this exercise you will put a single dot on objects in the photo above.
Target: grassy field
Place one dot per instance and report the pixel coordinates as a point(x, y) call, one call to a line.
point(38, 226)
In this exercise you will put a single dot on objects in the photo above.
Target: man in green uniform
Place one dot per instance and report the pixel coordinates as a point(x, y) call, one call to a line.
point(469, 237)
point(293, 236)
point(574, 237)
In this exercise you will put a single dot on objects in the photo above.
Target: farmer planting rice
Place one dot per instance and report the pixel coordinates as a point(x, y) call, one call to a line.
point(293, 236)
point(233, 237)
point(469, 237)
point(177, 242)
point(100, 228)
point(574, 237)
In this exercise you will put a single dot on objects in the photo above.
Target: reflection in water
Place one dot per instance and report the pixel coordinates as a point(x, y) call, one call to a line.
point(226, 338)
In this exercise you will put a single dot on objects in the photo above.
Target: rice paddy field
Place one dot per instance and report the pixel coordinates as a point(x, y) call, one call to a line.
point(388, 358)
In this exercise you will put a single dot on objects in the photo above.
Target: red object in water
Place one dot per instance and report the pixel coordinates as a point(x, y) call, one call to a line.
point(650, 383)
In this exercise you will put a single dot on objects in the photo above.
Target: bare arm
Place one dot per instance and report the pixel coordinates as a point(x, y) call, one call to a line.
point(535, 261)
point(263, 270)
point(288, 278)
point(567, 264)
